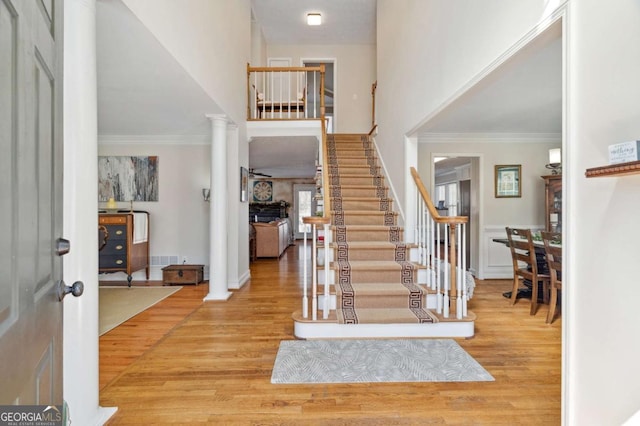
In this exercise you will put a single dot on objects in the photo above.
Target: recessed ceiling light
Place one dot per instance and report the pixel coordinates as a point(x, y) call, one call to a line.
point(314, 19)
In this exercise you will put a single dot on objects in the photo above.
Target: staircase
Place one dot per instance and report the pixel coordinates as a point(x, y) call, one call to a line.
point(377, 290)
point(376, 282)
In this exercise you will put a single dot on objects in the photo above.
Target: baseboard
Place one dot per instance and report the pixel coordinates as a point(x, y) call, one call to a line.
point(242, 280)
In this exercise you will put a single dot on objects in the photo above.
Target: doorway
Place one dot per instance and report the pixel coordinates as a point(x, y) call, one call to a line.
point(329, 90)
point(304, 205)
point(456, 189)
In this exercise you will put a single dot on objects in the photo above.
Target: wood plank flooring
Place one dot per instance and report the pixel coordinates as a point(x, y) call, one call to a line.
point(188, 362)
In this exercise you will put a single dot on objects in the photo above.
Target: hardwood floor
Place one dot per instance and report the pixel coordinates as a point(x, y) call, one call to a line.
point(185, 362)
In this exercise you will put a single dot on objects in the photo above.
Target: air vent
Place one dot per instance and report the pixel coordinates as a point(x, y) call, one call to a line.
point(164, 260)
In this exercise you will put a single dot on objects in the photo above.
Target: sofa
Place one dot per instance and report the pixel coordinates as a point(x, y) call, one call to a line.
point(272, 238)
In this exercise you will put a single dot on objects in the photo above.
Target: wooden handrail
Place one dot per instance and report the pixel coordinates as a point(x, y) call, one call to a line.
point(432, 209)
point(251, 69)
point(374, 87)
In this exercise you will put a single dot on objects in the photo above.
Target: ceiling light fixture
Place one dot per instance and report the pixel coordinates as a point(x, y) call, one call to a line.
point(314, 19)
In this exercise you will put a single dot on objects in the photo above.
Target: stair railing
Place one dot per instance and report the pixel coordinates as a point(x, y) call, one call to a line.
point(316, 223)
point(374, 87)
point(285, 93)
point(446, 268)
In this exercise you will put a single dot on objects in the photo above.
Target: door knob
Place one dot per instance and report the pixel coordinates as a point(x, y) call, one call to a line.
point(76, 289)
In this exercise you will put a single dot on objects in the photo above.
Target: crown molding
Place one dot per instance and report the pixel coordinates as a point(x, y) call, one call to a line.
point(154, 139)
point(490, 137)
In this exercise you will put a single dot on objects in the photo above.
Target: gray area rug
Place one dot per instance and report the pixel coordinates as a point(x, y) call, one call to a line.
point(367, 361)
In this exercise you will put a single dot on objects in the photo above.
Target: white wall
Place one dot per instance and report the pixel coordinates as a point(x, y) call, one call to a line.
point(179, 220)
point(602, 336)
point(354, 73)
point(494, 260)
point(428, 50)
point(258, 46)
point(211, 39)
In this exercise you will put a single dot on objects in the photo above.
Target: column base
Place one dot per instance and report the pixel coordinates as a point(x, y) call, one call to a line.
point(217, 296)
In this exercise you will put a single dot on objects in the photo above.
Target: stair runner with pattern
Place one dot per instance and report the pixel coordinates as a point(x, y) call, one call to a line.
point(375, 281)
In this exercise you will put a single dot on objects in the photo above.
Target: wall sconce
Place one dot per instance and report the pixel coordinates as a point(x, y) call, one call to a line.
point(206, 194)
point(555, 161)
point(314, 19)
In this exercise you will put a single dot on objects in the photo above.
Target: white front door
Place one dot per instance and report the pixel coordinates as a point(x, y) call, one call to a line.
point(31, 202)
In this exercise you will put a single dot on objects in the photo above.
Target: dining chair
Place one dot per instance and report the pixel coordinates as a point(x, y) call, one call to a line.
point(525, 265)
point(554, 260)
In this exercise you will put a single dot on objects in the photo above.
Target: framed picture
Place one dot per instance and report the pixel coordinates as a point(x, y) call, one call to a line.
point(508, 181)
point(126, 178)
point(244, 185)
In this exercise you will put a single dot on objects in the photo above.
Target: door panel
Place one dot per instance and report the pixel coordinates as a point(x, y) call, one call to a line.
point(31, 210)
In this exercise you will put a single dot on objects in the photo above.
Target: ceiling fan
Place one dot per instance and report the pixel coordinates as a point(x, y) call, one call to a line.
point(253, 173)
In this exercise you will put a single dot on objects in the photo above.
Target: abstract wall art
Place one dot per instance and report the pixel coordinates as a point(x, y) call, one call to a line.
point(128, 178)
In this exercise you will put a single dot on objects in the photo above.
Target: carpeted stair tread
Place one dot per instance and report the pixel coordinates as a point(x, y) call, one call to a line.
point(368, 213)
point(374, 245)
point(364, 227)
point(378, 265)
point(386, 316)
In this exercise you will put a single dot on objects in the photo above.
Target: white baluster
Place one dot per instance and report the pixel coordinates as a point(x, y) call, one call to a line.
point(459, 275)
point(447, 283)
point(305, 299)
point(325, 314)
point(465, 297)
point(435, 256)
point(314, 275)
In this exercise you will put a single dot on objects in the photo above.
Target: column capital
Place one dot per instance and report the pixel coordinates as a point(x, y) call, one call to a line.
point(217, 117)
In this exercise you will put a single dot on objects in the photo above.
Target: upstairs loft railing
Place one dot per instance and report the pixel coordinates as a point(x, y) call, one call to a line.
point(447, 267)
point(285, 93)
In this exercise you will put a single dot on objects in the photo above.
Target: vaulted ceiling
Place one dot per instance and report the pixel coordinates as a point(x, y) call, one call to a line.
point(142, 90)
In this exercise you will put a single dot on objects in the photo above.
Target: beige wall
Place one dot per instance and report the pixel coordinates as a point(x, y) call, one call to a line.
point(211, 39)
point(425, 56)
point(179, 220)
point(602, 326)
point(354, 73)
point(494, 260)
point(282, 188)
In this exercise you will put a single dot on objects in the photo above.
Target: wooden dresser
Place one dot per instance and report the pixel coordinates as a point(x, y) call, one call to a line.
point(123, 249)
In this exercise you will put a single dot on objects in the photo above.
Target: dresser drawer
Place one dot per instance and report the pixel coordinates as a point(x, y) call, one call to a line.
point(118, 247)
point(113, 261)
point(107, 220)
point(117, 232)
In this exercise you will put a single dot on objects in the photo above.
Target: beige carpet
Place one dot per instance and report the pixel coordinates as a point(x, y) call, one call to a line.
point(118, 304)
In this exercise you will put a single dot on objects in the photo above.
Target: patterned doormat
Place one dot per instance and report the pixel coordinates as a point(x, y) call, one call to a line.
point(367, 361)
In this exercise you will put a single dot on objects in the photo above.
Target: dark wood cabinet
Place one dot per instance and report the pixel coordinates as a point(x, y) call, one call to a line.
point(123, 248)
point(553, 202)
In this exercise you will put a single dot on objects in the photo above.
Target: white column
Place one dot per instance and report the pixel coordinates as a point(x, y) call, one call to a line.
point(218, 216)
point(80, 346)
